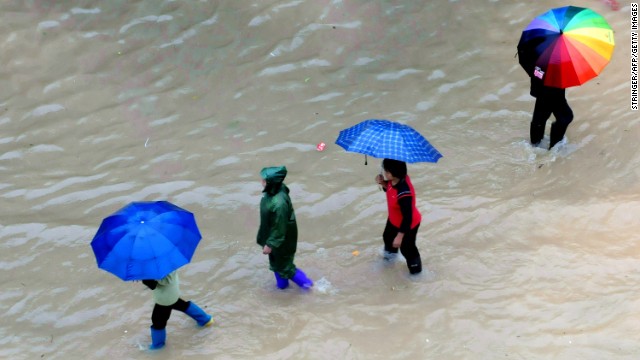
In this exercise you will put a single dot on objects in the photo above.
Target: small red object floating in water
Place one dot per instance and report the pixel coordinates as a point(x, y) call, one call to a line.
point(613, 4)
point(321, 146)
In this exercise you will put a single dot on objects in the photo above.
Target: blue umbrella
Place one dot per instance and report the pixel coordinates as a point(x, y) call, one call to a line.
point(388, 139)
point(146, 240)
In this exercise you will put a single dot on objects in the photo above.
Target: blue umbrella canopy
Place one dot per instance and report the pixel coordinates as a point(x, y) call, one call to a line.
point(388, 139)
point(146, 240)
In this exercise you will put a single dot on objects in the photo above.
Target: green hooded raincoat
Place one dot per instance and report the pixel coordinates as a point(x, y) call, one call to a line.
point(278, 228)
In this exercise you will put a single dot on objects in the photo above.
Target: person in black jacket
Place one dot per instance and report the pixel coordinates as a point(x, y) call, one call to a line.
point(549, 100)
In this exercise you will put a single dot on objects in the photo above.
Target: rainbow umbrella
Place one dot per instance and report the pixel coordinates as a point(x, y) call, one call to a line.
point(566, 46)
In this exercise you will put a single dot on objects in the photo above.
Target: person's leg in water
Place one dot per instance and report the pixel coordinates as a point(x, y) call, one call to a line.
point(281, 282)
point(159, 318)
point(564, 115)
point(410, 251)
point(194, 311)
point(302, 280)
point(389, 234)
point(284, 270)
point(541, 113)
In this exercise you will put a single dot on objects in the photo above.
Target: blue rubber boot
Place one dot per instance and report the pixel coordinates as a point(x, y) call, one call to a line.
point(301, 279)
point(281, 282)
point(197, 314)
point(158, 338)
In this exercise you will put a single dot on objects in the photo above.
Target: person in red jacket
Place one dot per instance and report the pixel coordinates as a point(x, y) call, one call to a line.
point(404, 218)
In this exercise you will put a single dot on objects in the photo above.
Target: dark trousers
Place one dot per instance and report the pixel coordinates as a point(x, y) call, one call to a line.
point(408, 247)
point(161, 313)
point(545, 106)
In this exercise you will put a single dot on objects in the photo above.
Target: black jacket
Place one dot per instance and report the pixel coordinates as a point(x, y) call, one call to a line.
point(539, 90)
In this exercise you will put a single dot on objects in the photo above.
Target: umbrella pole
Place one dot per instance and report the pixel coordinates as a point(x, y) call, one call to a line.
point(365, 159)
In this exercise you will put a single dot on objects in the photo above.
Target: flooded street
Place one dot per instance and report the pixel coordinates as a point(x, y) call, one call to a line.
point(527, 253)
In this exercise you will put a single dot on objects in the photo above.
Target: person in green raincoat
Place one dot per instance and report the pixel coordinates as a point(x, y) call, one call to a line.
point(278, 232)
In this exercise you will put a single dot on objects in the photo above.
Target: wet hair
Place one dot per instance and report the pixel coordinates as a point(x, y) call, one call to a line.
point(398, 169)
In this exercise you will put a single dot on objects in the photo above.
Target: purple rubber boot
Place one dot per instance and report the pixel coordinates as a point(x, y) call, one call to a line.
point(281, 282)
point(301, 279)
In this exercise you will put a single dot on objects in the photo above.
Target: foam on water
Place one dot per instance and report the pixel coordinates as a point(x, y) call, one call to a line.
point(324, 286)
point(46, 109)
